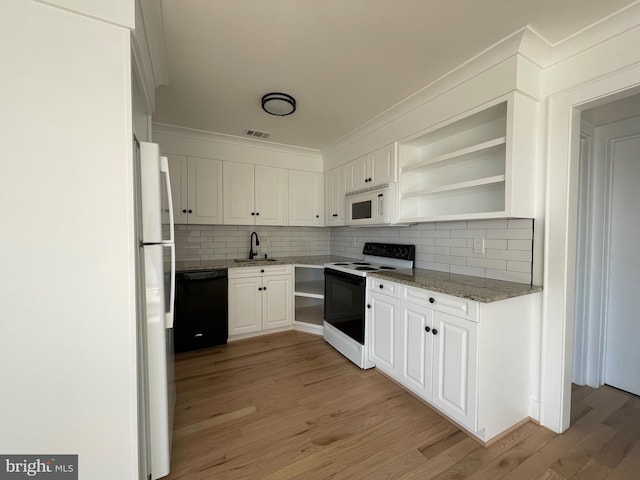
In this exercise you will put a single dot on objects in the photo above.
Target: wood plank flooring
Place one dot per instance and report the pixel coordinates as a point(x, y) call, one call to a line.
point(287, 406)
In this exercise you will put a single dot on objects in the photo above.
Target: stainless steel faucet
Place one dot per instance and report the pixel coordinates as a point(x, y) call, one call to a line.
point(251, 252)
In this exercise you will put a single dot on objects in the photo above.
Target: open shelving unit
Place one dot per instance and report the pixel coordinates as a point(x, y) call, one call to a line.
point(309, 298)
point(478, 166)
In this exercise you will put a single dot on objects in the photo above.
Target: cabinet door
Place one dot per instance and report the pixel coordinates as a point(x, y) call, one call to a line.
point(455, 368)
point(305, 198)
point(271, 195)
point(205, 191)
point(245, 305)
point(238, 189)
point(384, 342)
point(277, 301)
point(179, 187)
point(417, 349)
point(359, 173)
point(336, 183)
point(382, 166)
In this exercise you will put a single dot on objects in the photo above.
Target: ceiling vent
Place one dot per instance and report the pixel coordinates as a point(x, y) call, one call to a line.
point(257, 134)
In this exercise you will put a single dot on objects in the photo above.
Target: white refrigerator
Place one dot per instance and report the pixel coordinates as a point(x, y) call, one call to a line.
point(156, 293)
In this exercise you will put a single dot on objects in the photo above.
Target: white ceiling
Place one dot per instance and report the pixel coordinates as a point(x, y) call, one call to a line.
point(345, 61)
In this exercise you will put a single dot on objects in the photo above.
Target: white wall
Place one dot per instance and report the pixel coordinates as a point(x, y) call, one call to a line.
point(67, 301)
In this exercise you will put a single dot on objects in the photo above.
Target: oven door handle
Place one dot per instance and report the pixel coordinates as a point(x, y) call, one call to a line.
point(347, 277)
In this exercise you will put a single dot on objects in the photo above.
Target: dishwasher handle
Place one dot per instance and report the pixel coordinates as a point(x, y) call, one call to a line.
point(208, 275)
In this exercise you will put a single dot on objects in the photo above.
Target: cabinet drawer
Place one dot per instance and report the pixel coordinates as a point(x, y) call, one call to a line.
point(385, 287)
point(242, 272)
point(460, 307)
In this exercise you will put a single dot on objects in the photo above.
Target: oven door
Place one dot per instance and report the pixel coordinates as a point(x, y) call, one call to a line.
point(344, 297)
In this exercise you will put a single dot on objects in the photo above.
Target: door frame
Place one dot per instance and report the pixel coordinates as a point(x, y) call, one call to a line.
point(561, 213)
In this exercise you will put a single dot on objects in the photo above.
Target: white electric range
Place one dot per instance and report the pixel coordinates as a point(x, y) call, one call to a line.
point(345, 294)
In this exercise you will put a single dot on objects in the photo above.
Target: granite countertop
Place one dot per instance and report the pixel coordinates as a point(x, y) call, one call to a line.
point(317, 260)
point(479, 289)
point(483, 290)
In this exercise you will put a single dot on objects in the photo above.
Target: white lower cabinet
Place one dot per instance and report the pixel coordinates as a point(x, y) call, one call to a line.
point(455, 367)
point(417, 349)
point(260, 298)
point(383, 333)
point(472, 366)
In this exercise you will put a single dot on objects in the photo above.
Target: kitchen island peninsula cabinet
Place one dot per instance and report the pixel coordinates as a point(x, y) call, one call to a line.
point(467, 358)
point(480, 165)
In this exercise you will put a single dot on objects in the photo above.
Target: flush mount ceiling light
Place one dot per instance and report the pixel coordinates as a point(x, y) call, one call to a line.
point(279, 104)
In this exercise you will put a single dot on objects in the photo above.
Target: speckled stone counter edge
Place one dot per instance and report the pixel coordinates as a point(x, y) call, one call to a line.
point(483, 290)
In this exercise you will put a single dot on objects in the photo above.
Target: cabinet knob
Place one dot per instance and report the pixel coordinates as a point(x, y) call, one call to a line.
point(432, 300)
point(184, 210)
point(366, 180)
point(261, 271)
point(190, 211)
point(264, 288)
point(427, 329)
point(369, 180)
point(259, 289)
point(317, 216)
point(253, 213)
point(434, 331)
point(368, 306)
point(197, 335)
point(257, 213)
point(335, 214)
point(381, 286)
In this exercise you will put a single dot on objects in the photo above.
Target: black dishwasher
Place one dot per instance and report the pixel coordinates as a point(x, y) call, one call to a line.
point(201, 309)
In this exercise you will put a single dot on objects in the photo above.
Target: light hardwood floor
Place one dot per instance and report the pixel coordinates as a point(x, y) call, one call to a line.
point(288, 406)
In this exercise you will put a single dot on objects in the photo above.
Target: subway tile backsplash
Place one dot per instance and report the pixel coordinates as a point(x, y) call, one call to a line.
point(222, 242)
point(442, 246)
point(448, 246)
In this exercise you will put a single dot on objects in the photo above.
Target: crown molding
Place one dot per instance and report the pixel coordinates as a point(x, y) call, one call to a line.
point(166, 129)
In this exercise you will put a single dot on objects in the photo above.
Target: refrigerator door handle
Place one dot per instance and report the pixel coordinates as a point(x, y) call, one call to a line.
point(172, 289)
point(164, 168)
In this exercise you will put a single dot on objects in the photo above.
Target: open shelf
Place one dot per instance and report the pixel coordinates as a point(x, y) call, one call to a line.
point(479, 199)
point(309, 296)
point(311, 288)
point(312, 314)
point(422, 164)
point(456, 186)
point(458, 170)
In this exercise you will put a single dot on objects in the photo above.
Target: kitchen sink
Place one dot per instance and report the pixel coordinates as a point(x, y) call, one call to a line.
point(254, 260)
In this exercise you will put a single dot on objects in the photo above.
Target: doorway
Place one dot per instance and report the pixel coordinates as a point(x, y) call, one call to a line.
point(607, 261)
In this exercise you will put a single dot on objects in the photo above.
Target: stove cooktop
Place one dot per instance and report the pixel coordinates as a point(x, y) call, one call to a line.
point(377, 257)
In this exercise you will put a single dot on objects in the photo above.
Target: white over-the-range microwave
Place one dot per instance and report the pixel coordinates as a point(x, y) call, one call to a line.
point(372, 206)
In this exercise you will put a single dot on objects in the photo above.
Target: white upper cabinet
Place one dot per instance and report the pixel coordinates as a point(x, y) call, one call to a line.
point(305, 203)
point(336, 183)
point(196, 185)
point(254, 195)
point(479, 166)
point(239, 193)
point(376, 168)
point(271, 192)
